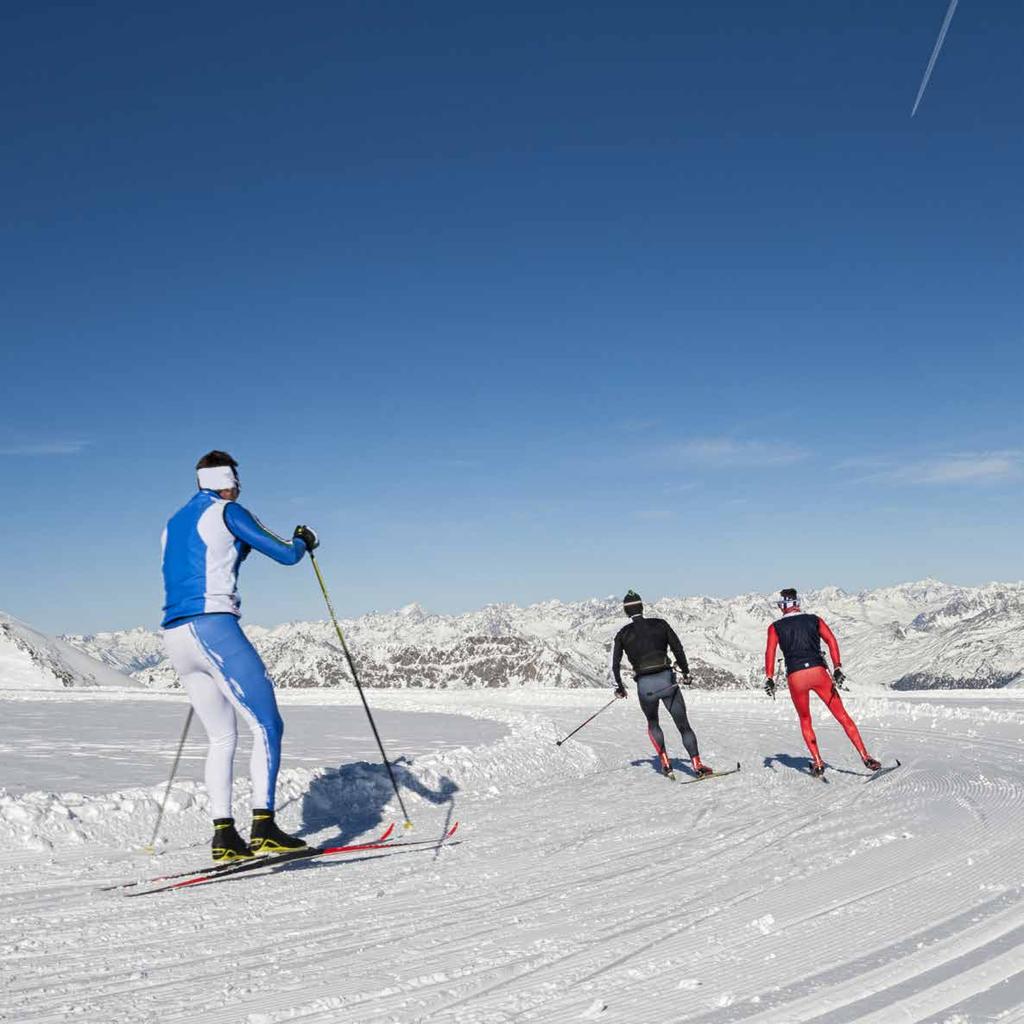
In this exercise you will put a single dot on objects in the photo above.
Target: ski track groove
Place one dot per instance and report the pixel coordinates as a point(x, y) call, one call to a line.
point(523, 932)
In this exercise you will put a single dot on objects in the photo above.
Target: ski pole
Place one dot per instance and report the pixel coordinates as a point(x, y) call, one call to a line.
point(359, 687)
point(151, 848)
point(558, 743)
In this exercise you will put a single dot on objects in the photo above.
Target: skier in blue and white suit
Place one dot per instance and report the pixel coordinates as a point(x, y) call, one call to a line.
point(204, 544)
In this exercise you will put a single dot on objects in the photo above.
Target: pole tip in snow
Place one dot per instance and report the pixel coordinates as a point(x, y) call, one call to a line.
point(408, 824)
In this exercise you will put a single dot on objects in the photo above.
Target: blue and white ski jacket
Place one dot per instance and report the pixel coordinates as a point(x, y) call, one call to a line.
point(204, 543)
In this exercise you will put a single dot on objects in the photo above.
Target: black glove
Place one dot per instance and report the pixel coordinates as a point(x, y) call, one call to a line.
point(307, 536)
point(769, 687)
point(839, 677)
point(620, 690)
point(684, 678)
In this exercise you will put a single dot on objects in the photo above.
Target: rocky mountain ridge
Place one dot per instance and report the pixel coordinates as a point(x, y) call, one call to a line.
point(30, 660)
point(918, 635)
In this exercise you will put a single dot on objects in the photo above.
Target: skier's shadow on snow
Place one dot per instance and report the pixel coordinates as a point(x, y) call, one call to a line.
point(353, 797)
point(678, 765)
point(800, 764)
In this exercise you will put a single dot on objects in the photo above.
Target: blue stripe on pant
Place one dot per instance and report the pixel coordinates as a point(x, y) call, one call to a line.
point(223, 674)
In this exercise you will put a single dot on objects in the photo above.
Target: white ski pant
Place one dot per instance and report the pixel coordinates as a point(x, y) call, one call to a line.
point(223, 674)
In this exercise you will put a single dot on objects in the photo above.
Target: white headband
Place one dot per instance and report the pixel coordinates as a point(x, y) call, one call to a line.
point(217, 478)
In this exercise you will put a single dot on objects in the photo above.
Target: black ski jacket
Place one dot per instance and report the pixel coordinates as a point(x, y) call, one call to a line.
point(646, 643)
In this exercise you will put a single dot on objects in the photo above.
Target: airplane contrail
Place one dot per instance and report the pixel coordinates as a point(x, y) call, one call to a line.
point(935, 54)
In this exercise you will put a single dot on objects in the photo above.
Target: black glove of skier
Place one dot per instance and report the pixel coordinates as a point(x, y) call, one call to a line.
point(769, 687)
point(307, 536)
point(620, 690)
point(684, 677)
point(839, 678)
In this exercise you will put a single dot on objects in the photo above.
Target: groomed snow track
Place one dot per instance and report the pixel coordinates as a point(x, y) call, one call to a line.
point(585, 887)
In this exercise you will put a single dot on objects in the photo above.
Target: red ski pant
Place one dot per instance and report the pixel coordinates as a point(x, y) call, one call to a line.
point(818, 680)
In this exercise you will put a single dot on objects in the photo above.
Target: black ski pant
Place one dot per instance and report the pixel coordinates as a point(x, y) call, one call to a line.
point(655, 690)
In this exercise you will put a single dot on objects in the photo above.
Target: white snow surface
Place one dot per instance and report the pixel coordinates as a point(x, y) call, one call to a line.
point(583, 887)
point(79, 744)
point(912, 636)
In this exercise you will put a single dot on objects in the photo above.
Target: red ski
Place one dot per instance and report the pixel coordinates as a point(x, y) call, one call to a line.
point(285, 858)
point(213, 869)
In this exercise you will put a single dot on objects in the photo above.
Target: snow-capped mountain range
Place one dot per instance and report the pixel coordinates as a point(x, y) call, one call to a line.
point(913, 636)
point(30, 660)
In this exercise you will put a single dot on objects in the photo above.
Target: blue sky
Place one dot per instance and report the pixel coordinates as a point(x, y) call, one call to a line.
point(511, 303)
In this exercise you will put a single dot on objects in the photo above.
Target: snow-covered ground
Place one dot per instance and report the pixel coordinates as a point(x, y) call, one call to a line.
point(95, 747)
point(584, 887)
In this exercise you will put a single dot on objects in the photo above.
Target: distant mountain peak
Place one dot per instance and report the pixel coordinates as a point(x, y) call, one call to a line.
point(910, 635)
point(31, 660)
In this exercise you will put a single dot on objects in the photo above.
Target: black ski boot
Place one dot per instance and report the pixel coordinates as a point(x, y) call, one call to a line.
point(817, 769)
point(266, 837)
point(227, 843)
point(871, 764)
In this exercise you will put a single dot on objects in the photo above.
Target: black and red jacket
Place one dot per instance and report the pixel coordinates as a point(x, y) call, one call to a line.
point(800, 635)
point(646, 642)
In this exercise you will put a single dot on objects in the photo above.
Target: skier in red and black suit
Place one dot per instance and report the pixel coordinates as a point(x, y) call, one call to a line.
point(800, 635)
point(646, 644)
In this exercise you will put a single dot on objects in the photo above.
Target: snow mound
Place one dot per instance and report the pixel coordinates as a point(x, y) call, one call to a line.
point(356, 796)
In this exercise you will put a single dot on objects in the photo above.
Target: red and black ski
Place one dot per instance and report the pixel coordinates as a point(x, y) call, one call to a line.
point(243, 867)
point(883, 771)
point(868, 776)
point(713, 775)
point(266, 858)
